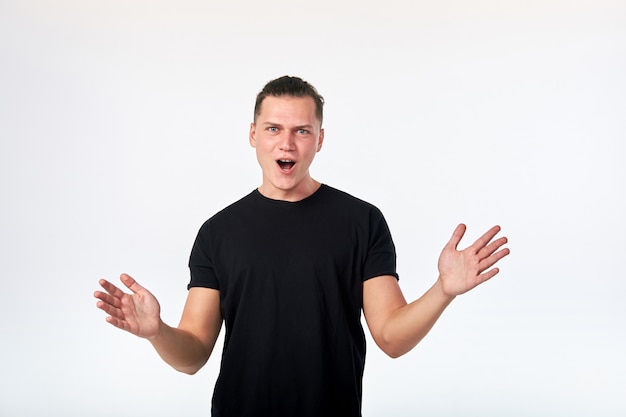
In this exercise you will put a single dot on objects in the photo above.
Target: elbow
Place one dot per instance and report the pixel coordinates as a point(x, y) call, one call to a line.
point(390, 349)
point(189, 370)
point(395, 344)
point(193, 364)
point(394, 352)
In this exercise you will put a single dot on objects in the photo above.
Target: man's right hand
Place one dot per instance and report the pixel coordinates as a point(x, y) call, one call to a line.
point(137, 313)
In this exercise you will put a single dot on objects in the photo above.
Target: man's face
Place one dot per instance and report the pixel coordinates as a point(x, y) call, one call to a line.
point(286, 136)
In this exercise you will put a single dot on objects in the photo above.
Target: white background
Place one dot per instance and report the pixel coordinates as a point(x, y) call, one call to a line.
point(123, 126)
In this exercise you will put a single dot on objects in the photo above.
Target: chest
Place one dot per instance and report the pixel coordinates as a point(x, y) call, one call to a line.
point(293, 244)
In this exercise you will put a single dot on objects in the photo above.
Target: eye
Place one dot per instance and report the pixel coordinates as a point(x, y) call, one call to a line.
point(303, 132)
point(272, 129)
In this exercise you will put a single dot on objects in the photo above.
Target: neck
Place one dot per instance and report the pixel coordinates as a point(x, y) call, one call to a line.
point(292, 195)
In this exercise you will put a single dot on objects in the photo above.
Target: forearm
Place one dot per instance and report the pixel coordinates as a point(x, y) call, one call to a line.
point(408, 325)
point(180, 349)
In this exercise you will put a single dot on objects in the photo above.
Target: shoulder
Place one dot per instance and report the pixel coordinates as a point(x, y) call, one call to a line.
point(243, 203)
point(346, 199)
point(231, 212)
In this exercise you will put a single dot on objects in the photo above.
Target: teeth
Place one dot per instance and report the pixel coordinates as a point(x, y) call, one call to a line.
point(285, 160)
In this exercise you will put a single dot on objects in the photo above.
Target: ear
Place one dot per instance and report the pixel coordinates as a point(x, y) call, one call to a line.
point(252, 137)
point(320, 140)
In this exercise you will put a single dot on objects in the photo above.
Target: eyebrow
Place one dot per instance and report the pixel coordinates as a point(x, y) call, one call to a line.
point(306, 126)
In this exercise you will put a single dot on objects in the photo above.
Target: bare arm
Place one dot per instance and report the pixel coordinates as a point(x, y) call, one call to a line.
point(187, 347)
point(397, 326)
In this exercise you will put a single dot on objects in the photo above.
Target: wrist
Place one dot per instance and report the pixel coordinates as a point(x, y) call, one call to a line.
point(440, 291)
point(161, 328)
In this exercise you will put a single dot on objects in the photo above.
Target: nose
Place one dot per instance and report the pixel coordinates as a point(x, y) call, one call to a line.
point(287, 141)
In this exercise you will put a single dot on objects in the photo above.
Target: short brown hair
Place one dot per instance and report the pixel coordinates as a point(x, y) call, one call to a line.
point(290, 86)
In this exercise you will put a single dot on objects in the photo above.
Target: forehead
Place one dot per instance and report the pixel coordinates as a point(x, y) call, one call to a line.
point(299, 110)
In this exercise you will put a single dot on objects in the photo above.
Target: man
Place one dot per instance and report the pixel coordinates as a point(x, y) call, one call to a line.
point(288, 269)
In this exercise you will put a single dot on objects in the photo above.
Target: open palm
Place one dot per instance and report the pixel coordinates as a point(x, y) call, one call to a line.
point(137, 313)
point(462, 270)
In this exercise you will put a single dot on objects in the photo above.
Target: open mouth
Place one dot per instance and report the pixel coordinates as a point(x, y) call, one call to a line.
point(285, 164)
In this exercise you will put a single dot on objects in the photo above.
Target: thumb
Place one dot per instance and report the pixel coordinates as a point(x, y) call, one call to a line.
point(131, 284)
point(457, 235)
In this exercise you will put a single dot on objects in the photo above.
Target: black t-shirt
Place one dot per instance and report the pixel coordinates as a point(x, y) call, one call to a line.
point(290, 278)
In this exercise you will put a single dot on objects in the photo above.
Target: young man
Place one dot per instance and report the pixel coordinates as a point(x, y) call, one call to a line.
point(288, 269)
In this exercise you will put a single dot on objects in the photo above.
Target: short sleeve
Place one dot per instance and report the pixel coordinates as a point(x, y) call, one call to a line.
point(381, 253)
point(200, 261)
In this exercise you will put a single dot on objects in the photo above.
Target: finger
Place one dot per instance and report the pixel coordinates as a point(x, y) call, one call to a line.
point(131, 284)
point(457, 235)
point(492, 247)
point(491, 260)
point(111, 310)
point(111, 289)
point(108, 299)
point(482, 241)
point(119, 323)
point(486, 276)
